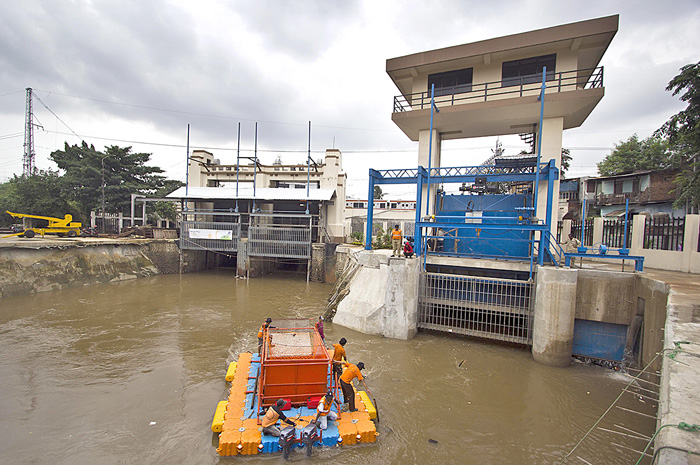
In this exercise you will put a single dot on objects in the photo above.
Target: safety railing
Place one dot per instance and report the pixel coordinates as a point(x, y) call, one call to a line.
point(563, 81)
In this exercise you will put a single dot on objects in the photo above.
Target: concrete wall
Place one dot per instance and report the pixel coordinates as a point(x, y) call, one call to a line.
point(652, 298)
point(383, 297)
point(26, 270)
point(605, 296)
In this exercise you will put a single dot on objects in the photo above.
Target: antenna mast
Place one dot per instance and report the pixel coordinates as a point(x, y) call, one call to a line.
point(28, 161)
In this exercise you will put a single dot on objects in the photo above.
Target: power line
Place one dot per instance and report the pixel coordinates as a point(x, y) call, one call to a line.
point(57, 117)
point(182, 112)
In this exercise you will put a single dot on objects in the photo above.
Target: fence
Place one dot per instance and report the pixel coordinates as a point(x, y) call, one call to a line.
point(614, 233)
point(587, 238)
point(491, 308)
point(664, 233)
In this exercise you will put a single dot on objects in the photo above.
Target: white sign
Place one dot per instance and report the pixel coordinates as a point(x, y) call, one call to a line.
point(222, 234)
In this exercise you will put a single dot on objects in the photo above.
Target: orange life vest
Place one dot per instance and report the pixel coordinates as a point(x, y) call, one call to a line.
point(270, 418)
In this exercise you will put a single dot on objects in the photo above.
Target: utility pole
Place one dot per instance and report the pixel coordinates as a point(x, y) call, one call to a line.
point(28, 160)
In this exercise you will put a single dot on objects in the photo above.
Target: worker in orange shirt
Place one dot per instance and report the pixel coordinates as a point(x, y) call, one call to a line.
point(396, 239)
point(274, 413)
point(339, 356)
point(351, 372)
point(261, 333)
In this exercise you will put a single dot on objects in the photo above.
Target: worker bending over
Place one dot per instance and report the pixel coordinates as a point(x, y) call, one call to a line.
point(351, 372)
point(273, 414)
point(339, 356)
point(323, 411)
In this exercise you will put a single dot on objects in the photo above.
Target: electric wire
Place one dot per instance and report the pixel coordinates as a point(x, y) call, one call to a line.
point(57, 117)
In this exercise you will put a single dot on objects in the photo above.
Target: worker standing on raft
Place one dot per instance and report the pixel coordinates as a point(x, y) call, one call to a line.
point(319, 328)
point(396, 239)
point(273, 414)
point(261, 333)
point(323, 411)
point(351, 372)
point(339, 356)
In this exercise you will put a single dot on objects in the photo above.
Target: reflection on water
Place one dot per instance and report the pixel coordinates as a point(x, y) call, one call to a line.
point(131, 373)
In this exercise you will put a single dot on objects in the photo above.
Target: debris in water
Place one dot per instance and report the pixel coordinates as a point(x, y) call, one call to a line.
point(432, 441)
point(153, 423)
point(460, 363)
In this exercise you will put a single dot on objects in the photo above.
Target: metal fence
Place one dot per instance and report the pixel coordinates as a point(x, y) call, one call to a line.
point(491, 308)
point(587, 239)
point(560, 227)
point(614, 233)
point(283, 236)
point(664, 233)
point(210, 235)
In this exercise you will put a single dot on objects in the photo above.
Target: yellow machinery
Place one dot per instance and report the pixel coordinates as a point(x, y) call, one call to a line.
point(57, 226)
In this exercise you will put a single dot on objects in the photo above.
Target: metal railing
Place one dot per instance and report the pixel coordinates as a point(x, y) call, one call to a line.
point(563, 81)
point(614, 233)
point(587, 239)
point(491, 308)
point(664, 233)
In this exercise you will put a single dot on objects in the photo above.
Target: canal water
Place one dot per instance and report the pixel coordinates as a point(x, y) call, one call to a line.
point(131, 373)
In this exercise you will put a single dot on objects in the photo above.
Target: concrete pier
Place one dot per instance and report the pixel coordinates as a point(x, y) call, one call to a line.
point(555, 311)
point(383, 297)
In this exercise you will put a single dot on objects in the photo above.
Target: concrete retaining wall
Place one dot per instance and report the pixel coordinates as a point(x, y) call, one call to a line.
point(26, 269)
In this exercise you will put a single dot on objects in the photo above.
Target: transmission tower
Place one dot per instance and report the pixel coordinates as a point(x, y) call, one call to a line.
point(29, 155)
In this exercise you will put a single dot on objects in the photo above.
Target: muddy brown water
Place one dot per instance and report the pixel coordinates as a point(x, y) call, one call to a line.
point(131, 373)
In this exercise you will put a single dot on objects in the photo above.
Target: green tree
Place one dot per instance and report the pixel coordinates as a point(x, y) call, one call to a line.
point(42, 193)
point(633, 154)
point(565, 162)
point(683, 132)
point(124, 172)
point(378, 193)
point(167, 210)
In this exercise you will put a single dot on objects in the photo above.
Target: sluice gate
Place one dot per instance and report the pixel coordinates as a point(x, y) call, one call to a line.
point(485, 307)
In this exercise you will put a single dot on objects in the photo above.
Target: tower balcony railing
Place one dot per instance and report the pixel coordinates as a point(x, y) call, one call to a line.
point(564, 81)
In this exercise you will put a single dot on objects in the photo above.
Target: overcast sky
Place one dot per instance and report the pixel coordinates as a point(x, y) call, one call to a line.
point(135, 73)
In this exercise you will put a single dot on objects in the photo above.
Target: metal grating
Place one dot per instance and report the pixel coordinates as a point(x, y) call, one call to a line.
point(209, 235)
point(490, 308)
point(280, 241)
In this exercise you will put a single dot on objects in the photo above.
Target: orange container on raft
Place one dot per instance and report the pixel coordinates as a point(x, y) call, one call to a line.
point(295, 363)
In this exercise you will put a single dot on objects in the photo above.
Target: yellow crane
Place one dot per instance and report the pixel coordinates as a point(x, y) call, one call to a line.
point(59, 226)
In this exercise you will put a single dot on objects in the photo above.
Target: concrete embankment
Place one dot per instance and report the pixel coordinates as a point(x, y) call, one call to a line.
point(384, 298)
point(36, 265)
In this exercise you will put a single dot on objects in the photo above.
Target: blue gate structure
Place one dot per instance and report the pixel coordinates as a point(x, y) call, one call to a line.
point(523, 235)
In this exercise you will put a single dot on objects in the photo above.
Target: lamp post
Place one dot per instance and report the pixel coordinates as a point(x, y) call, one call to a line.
point(102, 161)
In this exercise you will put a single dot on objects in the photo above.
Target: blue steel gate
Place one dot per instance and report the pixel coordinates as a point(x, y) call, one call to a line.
point(490, 308)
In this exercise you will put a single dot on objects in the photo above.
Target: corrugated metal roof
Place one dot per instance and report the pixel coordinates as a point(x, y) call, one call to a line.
point(246, 193)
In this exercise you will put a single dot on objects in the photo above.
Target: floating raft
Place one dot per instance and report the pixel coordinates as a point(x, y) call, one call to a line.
point(237, 422)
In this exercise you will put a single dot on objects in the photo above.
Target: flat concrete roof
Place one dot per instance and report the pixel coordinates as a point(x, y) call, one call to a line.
point(246, 193)
point(591, 37)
